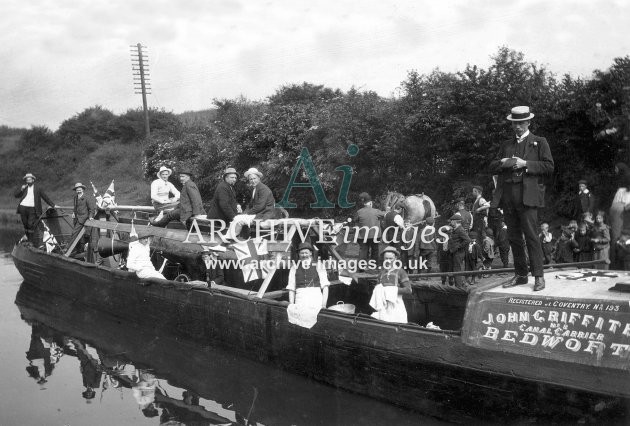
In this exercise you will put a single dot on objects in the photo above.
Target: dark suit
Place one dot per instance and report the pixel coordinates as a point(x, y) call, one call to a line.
point(262, 204)
point(368, 221)
point(223, 204)
point(84, 208)
point(190, 201)
point(29, 215)
point(520, 193)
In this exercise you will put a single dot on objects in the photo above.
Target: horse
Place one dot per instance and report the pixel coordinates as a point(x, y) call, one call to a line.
point(416, 208)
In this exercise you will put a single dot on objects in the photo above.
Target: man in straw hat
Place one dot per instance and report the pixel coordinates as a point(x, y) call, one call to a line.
point(30, 207)
point(84, 209)
point(522, 165)
point(164, 195)
point(261, 205)
point(223, 205)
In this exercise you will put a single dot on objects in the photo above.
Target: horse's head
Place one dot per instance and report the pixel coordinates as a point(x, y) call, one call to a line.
point(393, 198)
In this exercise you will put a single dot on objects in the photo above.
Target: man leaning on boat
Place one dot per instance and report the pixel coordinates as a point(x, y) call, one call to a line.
point(30, 207)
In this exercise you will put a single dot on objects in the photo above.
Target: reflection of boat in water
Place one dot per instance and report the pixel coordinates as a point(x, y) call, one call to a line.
point(499, 350)
point(250, 391)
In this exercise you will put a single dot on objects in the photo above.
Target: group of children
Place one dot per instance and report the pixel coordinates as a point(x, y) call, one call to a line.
point(579, 242)
point(469, 250)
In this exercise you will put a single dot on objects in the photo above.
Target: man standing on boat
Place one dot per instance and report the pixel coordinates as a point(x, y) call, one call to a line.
point(368, 231)
point(84, 208)
point(522, 165)
point(261, 206)
point(223, 205)
point(190, 203)
point(30, 207)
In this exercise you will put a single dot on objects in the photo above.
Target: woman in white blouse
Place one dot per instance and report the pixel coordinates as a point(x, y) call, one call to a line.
point(164, 195)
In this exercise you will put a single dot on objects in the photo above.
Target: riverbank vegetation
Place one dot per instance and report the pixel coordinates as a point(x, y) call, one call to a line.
point(436, 134)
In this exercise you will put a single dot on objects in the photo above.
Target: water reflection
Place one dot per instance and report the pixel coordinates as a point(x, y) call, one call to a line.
point(9, 235)
point(179, 382)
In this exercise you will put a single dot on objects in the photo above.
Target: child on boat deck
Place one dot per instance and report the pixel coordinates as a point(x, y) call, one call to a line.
point(565, 246)
point(584, 252)
point(473, 256)
point(600, 237)
point(546, 241)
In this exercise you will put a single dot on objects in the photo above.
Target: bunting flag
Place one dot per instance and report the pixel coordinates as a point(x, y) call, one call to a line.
point(49, 239)
point(249, 254)
point(97, 195)
point(107, 200)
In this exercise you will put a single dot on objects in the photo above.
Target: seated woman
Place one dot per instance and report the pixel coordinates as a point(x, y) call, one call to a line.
point(164, 195)
point(392, 283)
point(308, 288)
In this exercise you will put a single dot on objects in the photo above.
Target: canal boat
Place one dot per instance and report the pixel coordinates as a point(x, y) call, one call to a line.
point(484, 350)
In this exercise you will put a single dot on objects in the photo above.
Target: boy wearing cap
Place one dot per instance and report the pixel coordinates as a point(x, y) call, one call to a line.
point(30, 207)
point(523, 163)
point(585, 200)
point(457, 247)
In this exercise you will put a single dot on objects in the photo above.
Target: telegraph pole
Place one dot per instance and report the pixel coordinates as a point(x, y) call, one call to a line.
point(142, 83)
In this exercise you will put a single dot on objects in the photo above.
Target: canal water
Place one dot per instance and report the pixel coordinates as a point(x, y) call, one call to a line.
point(62, 365)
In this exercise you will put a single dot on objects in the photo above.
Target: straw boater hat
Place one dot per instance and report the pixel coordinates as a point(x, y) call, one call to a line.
point(456, 216)
point(186, 172)
point(229, 171)
point(78, 185)
point(164, 169)
point(29, 175)
point(252, 171)
point(520, 113)
point(391, 249)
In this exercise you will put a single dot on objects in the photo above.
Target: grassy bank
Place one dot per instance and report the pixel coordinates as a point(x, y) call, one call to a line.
point(115, 161)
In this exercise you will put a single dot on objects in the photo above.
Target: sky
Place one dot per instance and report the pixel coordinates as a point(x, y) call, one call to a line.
point(59, 57)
